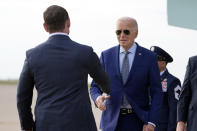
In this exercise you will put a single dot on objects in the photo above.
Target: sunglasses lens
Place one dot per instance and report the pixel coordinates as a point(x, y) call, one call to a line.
point(126, 32)
point(118, 32)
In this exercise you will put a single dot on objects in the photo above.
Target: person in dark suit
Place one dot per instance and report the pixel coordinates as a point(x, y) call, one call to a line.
point(134, 75)
point(59, 68)
point(187, 104)
point(171, 87)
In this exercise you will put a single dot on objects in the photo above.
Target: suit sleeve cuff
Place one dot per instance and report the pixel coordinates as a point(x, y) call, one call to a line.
point(152, 124)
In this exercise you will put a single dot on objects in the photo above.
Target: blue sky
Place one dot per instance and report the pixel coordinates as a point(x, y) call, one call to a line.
point(92, 23)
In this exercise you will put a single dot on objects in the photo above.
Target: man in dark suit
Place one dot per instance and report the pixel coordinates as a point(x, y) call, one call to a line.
point(171, 87)
point(134, 76)
point(187, 104)
point(58, 68)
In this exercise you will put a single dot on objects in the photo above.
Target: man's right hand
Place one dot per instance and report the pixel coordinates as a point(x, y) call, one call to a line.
point(181, 126)
point(100, 101)
point(148, 127)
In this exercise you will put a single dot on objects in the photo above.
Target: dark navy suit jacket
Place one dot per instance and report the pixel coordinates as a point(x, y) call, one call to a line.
point(143, 80)
point(168, 113)
point(187, 104)
point(58, 69)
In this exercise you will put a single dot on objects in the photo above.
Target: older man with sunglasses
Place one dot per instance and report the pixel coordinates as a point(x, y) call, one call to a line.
point(134, 79)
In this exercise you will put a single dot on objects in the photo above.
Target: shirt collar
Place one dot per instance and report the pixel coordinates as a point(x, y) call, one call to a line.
point(132, 49)
point(161, 73)
point(58, 33)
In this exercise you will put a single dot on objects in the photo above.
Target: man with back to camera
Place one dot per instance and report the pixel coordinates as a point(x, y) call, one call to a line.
point(134, 75)
point(187, 104)
point(58, 68)
point(171, 87)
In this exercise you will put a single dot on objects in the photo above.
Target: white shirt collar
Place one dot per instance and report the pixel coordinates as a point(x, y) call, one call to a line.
point(58, 33)
point(131, 49)
point(161, 73)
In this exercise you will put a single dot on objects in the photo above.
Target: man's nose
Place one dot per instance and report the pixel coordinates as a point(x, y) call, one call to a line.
point(122, 35)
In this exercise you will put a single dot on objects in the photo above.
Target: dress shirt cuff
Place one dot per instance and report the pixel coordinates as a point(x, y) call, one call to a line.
point(152, 124)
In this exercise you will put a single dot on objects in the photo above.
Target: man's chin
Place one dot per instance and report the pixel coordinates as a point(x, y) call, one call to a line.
point(124, 44)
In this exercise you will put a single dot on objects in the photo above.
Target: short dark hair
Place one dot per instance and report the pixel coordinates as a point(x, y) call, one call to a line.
point(55, 17)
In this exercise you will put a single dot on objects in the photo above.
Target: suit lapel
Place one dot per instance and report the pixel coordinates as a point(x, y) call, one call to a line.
point(117, 62)
point(137, 60)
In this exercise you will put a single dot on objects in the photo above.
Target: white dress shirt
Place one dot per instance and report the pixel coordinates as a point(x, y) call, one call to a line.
point(131, 55)
point(58, 33)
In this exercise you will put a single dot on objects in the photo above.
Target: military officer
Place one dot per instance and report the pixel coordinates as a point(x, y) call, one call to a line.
point(171, 87)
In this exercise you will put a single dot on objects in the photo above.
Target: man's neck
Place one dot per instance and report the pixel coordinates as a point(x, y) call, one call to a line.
point(161, 72)
point(128, 47)
point(66, 31)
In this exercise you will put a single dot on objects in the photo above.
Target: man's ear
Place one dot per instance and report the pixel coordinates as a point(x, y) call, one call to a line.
point(68, 23)
point(45, 27)
point(136, 33)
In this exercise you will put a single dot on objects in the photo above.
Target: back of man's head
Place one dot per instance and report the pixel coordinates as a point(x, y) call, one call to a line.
point(54, 18)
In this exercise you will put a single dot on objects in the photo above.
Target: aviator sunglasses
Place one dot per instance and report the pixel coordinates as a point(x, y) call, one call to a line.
point(126, 32)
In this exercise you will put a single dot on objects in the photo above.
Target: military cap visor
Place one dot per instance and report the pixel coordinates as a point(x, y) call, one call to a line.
point(161, 54)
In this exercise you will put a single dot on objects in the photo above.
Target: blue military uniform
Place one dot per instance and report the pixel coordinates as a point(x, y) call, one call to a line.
point(171, 87)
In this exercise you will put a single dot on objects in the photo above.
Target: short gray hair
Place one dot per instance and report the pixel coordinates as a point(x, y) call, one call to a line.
point(134, 22)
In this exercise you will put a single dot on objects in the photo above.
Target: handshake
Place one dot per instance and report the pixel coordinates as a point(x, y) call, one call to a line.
point(100, 101)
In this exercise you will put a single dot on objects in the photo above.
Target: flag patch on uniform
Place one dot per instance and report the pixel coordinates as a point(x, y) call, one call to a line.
point(164, 85)
point(177, 91)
